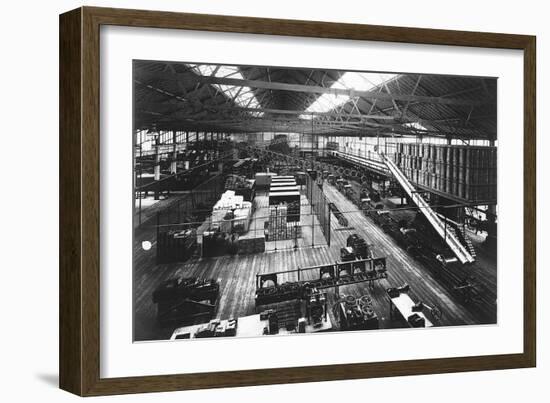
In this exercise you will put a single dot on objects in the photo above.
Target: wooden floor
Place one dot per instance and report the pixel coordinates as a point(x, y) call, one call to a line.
point(237, 275)
point(149, 210)
point(403, 268)
point(311, 234)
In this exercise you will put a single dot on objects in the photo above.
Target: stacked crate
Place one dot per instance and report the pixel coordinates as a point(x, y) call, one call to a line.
point(285, 232)
point(465, 172)
point(283, 190)
point(278, 226)
point(277, 219)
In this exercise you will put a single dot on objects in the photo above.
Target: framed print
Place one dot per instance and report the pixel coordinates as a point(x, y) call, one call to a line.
point(250, 201)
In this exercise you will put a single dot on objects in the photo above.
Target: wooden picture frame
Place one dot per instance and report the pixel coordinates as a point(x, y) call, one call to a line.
point(80, 216)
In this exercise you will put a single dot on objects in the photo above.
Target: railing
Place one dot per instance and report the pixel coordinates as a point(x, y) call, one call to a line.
point(450, 239)
point(369, 163)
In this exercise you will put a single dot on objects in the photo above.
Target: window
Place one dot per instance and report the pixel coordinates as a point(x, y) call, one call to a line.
point(242, 96)
point(350, 80)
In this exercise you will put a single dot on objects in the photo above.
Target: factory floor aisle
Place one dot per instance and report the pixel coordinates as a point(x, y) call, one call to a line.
point(402, 268)
point(237, 275)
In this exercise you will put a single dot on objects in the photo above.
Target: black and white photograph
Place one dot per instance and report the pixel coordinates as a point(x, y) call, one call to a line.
point(280, 200)
point(266, 202)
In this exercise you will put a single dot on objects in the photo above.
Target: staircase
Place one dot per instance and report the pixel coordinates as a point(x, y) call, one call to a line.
point(460, 232)
point(468, 243)
point(446, 232)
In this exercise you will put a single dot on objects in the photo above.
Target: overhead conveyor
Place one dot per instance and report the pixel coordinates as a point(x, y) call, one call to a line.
point(449, 237)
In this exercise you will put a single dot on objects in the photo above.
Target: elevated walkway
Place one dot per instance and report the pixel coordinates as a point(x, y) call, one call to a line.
point(375, 166)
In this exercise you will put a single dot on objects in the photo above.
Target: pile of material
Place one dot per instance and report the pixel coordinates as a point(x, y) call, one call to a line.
point(219, 244)
point(359, 246)
point(231, 214)
point(228, 201)
point(288, 313)
point(288, 291)
point(218, 328)
point(342, 220)
point(241, 186)
point(176, 246)
point(182, 300)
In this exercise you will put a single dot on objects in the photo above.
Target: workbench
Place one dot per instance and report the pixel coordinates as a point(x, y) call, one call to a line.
point(404, 305)
point(249, 326)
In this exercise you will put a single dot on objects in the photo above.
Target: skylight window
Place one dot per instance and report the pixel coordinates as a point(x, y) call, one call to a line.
point(242, 96)
point(415, 125)
point(349, 80)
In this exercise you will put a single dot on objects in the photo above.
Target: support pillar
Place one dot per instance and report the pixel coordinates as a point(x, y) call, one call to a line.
point(173, 164)
point(157, 169)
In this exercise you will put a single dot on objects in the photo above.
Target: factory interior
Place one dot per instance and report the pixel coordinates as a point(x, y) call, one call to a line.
point(279, 200)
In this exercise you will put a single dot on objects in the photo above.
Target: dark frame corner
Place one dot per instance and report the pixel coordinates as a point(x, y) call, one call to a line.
point(79, 200)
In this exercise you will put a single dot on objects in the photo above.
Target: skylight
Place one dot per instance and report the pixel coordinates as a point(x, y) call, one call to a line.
point(349, 80)
point(415, 125)
point(242, 96)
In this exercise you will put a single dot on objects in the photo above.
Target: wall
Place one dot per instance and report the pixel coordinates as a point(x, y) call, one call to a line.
point(29, 269)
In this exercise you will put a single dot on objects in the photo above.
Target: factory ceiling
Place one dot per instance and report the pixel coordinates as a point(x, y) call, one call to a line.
point(236, 99)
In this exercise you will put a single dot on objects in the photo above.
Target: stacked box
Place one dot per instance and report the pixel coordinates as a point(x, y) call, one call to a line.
point(278, 226)
point(277, 216)
point(289, 199)
point(288, 232)
point(465, 172)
